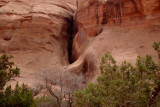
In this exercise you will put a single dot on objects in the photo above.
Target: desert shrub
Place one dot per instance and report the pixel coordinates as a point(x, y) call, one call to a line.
point(20, 96)
point(7, 72)
point(45, 101)
point(125, 85)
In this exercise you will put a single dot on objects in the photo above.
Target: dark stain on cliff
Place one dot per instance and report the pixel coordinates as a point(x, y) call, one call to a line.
point(114, 9)
point(134, 3)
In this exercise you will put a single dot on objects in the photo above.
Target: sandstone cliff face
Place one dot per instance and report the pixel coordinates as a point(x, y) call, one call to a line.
point(92, 15)
point(36, 32)
point(48, 35)
point(126, 28)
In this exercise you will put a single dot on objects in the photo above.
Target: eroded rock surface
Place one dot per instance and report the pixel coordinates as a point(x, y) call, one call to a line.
point(126, 28)
point(48, 35)
point(36, 33)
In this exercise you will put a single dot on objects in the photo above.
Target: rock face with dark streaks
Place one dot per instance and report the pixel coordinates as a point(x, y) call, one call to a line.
point(125, 28)
point(93, 15)
point(72, 36)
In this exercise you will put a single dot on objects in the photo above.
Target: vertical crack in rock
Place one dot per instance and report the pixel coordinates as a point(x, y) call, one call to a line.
point(97, 14)
point(72, 30)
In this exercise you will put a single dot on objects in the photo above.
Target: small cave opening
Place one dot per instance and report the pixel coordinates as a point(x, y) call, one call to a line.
point(72, 30)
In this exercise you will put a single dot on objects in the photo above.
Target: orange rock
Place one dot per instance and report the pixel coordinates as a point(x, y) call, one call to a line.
point(93, 15)
point(39, 33)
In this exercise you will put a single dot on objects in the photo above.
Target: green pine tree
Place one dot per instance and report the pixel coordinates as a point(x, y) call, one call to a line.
point(21, 96)
point(125, 85)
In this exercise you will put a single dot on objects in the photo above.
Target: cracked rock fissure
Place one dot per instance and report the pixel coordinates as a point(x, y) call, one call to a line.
point(71, 33)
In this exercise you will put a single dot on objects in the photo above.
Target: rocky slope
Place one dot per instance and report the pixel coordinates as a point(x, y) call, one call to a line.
point(48, 35)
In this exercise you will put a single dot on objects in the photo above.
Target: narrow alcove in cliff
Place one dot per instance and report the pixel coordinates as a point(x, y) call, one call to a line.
point(72, 30)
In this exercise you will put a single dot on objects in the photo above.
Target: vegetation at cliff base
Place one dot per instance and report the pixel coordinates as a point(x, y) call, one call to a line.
point(122, 85)
point(125, 85)
point(7, 72)
point(20, 96)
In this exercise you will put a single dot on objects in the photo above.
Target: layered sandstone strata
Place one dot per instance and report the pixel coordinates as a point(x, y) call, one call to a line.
point(36, 33)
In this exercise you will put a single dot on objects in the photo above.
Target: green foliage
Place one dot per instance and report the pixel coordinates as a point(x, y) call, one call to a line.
point(7, 72)
point(123, 85)
point(21, 96)
point(45, 101)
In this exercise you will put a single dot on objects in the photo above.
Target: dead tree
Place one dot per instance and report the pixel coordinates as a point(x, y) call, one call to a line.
point(61, 86)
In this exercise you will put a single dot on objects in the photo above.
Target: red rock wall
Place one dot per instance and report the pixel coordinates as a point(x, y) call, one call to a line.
point(35, 25)
point(92, 15)
point(36, 33)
